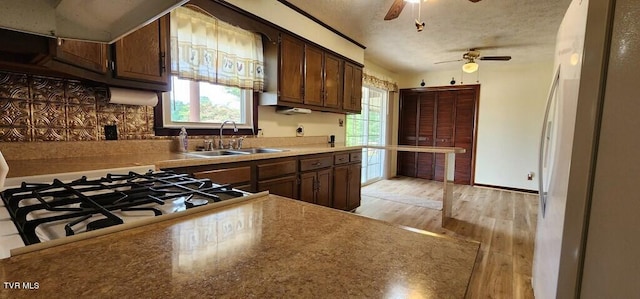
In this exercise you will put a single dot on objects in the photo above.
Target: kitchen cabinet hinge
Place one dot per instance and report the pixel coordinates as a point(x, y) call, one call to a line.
point(163, 67)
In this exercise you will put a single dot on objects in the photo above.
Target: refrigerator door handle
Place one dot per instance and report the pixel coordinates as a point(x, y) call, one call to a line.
point(543, 139)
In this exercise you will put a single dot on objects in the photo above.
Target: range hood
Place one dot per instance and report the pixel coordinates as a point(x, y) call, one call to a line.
point(292, 110)
point(91, 20)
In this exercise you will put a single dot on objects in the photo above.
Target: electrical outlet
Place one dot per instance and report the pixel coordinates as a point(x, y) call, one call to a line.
point(300, 131)
point(530, 176)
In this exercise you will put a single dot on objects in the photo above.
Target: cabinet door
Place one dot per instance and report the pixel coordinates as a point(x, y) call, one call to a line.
point(313, 93)
point(87, 55)
point(354, 185)
point(357, 89)
point(332, 81)
point(286, 186)
point(352, 88)
point(341, 187)
point(291, 62)
point(308, 187)
point(347, 100)
point(141, 55)
point(426, 107)
point(445, 115)
point(323, 187)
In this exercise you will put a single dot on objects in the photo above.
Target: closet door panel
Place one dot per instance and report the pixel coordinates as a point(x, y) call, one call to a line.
point(408, 120)
point(425, 167)
point(407, 134)
point(445, 122)
point(464, 131)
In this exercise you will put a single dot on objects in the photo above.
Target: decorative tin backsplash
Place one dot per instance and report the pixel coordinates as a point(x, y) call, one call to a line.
point(34, 108)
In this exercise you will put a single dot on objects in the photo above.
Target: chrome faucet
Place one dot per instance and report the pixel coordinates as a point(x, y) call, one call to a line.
point(235, 129)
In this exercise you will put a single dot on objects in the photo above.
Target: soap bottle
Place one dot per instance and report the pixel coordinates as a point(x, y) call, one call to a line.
point(183, 141)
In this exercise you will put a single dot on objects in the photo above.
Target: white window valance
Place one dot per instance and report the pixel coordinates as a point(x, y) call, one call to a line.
point(204, 48)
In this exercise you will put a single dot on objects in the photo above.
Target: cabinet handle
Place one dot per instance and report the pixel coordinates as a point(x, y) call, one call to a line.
point(316, 164)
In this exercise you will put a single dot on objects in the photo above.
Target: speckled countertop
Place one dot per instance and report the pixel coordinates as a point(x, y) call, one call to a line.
point(142, 155)
point(269, 247)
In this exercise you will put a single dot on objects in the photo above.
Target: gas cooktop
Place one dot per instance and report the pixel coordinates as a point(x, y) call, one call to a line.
point(48, 211)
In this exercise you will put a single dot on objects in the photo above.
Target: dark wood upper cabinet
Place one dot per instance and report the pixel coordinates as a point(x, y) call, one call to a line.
point(313, 76)
point(142, 54)
point(309, 76)
point(138, 60)
point(332, 81)
point(290, 83)
point(352, 88)
point(87, 55)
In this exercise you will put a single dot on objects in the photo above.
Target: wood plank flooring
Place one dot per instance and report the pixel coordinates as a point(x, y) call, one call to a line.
point(503, 221)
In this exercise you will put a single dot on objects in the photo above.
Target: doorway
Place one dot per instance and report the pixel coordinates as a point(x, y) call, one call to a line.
point(369, 128)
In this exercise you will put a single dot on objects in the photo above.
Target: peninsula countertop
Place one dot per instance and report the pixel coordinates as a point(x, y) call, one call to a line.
point(161, 160)
point(266, 247)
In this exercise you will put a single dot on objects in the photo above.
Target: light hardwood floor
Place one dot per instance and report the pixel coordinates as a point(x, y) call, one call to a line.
point(503, 221)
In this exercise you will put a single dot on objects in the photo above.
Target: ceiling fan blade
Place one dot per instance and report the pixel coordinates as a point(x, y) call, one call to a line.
point(395, 10)
point(496, 58)
point(474, 1)
point(439, 62)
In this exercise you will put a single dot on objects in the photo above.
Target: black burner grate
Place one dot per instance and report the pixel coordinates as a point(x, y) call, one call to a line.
point(80, 200)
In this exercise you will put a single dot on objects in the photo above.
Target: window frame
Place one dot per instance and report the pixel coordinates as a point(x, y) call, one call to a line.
point(162, 130)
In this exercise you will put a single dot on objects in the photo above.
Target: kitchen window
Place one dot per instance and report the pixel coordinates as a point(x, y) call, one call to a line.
point(194, 104)
point(216, 68)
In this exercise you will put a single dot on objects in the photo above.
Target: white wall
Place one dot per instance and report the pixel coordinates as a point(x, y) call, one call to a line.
point(281, 15)
point(512, 101)
point(315, 124)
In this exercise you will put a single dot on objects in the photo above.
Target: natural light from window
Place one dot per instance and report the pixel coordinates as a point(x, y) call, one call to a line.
point(201, 104)
point(368, 128)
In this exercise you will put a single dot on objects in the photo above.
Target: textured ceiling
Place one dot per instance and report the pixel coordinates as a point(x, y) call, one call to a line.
point(524, 29)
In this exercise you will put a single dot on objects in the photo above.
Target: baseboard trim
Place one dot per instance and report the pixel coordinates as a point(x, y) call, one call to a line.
point(507, 188)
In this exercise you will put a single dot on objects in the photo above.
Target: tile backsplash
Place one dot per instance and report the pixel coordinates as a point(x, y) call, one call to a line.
point(34, 108)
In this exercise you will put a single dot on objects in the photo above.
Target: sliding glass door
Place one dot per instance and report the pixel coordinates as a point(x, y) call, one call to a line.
point(369, 128)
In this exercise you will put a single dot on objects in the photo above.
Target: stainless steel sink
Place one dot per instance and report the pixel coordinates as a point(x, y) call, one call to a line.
point(258, 150)
point(216, 153)
point(233, 152)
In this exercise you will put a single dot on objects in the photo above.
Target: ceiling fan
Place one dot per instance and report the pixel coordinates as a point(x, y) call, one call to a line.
point(398, 5)
point(470, 58)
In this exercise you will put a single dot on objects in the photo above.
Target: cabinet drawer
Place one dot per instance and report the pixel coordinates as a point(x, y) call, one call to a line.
point(341, 158)
point(226, 176)
point(272, 170)
point(355, 157)
point(316, 163)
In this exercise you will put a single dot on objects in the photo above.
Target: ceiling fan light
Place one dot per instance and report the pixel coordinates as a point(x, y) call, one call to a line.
point(412, 1)
point(470, 67)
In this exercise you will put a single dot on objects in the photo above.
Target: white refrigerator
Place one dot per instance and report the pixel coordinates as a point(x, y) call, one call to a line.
point(588, 231)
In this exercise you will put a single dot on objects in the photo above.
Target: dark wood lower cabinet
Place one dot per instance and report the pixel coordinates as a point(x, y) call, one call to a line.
point(315, 187)
point(346, 186)
point(355, 174)
point(286, 186)
point(330, 180)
